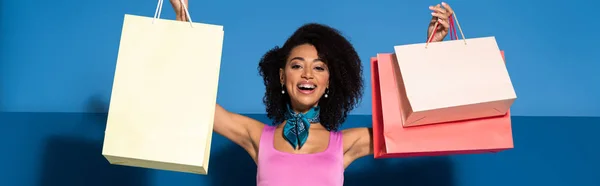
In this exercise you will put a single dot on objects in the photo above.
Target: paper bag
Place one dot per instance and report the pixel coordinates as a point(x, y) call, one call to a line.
point(164, 94)
point(391, 139)
point(454, 80)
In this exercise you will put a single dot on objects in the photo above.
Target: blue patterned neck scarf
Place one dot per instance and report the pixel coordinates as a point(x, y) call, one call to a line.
point(296, 128)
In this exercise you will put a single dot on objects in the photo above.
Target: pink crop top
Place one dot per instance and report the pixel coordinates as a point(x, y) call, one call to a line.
point(277, 168)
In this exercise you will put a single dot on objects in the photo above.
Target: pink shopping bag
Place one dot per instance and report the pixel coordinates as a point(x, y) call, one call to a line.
point(392, 139)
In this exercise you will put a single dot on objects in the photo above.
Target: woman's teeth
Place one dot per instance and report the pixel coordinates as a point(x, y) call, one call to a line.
point(306, 86)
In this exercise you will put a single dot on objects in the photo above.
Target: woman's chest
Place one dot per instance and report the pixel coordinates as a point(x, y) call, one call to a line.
point(318, 141)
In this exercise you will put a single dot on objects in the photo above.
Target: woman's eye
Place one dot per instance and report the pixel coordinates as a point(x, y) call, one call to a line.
point(295, 66)
point(320, 68)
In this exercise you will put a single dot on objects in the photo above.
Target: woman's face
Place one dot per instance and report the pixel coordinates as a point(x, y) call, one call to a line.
point(305, 77)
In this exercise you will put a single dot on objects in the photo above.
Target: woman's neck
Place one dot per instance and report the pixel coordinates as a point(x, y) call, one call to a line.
point(312, 125)
point(301, 109)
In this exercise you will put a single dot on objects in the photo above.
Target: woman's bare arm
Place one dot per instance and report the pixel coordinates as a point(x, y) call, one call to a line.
point(358, 142)
point(241, 130)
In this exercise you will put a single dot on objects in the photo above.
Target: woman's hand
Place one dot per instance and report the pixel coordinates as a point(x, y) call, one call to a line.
point(441, 14)
point(179, 9)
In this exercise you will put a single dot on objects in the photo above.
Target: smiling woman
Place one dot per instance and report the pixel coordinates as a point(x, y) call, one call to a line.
point(305, 75)
point(312, 82)
point(314, 56)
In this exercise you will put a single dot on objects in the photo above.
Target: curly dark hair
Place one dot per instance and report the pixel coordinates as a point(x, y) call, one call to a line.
point(345, 69)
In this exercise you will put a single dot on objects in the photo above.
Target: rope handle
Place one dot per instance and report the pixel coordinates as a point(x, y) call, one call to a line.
point(158, 11)
point(451, 30)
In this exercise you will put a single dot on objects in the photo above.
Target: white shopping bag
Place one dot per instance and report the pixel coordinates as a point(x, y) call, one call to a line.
point(164, 94)
point(454, 80)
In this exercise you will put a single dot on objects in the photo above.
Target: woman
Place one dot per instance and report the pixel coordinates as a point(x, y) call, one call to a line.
point(312, 82)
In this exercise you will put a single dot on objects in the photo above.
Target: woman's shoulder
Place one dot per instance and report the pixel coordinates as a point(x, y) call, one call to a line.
point(350, 131)
point(352, 135)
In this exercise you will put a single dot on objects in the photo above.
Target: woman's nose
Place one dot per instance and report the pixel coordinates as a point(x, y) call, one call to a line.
point(307, 74)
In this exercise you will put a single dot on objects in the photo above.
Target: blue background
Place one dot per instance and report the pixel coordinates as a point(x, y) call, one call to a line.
point(57, 62)
point(60, 55)
point(64, 149)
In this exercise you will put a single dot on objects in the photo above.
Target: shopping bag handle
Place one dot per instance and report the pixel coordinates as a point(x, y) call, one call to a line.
point(450, 30)
point(159, 10)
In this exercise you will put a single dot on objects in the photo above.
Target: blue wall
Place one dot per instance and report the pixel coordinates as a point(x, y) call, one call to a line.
point(57, 62)
point(58, 56)
point(64, 149)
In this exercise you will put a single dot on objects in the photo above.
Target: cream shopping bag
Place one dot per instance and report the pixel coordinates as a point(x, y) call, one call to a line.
point(164, 94)
point(454, 80)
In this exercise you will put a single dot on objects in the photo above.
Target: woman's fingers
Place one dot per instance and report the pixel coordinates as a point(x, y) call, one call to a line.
point(444, 23)
point(448, 8)
point(440, 16)
point(437, 9)
point(180, 9)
